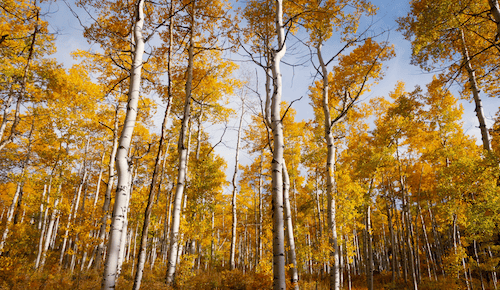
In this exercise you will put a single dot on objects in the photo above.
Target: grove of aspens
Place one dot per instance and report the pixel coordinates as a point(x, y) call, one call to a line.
point(177, 151)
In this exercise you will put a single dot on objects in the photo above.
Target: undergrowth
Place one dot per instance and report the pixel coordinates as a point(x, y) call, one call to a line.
point(20, 276)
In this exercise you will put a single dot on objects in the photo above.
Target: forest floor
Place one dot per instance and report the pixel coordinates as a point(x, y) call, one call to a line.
point(24, 277)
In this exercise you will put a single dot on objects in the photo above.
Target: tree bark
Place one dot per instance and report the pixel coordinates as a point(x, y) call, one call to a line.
point(394, 260)
point(411, 251)
point(279, 280)
point(18, 193)
point(42, 223)
point(369, 250)
point(22, 92)
point(183, 155)
point(330, 177)
point(109, 187)
point(475, 94)
point(429, 250)
point(141, 260)
point(75, 203)
point(99, 177)
point(123, 188)
point(260, 217)
point(234, 223)
point(292, 258)
point(50, 228)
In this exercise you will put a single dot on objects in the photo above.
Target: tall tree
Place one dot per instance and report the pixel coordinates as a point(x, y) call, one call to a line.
point(234, 223)
point(123, 168)
point(457, 37)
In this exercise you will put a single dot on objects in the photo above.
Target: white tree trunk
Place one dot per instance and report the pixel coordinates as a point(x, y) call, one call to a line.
point(109, 187)
point(166, 225)
point(475, 94)
point(233, 200)
point(42, 224)
point(74, 204)
point(182, 169)
point(141, 260)
point(17, 195)
point(13, 129)
point(279, 280)
point(123, 244)
point(99, 177)
point(50, 229)
point(10, 216)
point(123, 188)
point(369, 250)
point(330, 178)
point(292, 258)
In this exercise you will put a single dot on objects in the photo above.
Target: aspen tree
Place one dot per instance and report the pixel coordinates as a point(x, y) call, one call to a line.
point(182, 149)
point(330, 181)
point(75, 202)
point(369, 250)
point(123, 187)
point(24, 42)
point(18, 193)
point(294, 275)
point(444, 30)
point(202, 80)
point(234, 223)
point(475, 94)
point(278, 147)
point(109, 187)
point(161, 156)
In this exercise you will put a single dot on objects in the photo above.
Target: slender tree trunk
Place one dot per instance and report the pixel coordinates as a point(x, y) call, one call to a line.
point(428, 248)
point(437, 242)
point(170, 98)
point(182, 169)
point(292, 258)
point(156, 172)
point(260, 217)
point(42, 223)
point(16, 200)
point(123, 188)
point(494, 272)
point(318, 206)
point(106, 214)
point(330, 177)
point(411, 255)
point(22, 92)
point(109, 187)
point(99, 177)
point(234, 224)
point(166, 226)
point(147, 214)
point(369, 250)
point(50, 228)
point(135, 244)
point(394, 267)
point(416, 244)
point(279, 280)
point(75, 203)
point(475, 94)
point(5, 117)
point(457, 242)
point(478, 264)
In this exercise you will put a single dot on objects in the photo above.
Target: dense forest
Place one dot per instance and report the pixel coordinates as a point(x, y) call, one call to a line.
point(369, 192)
